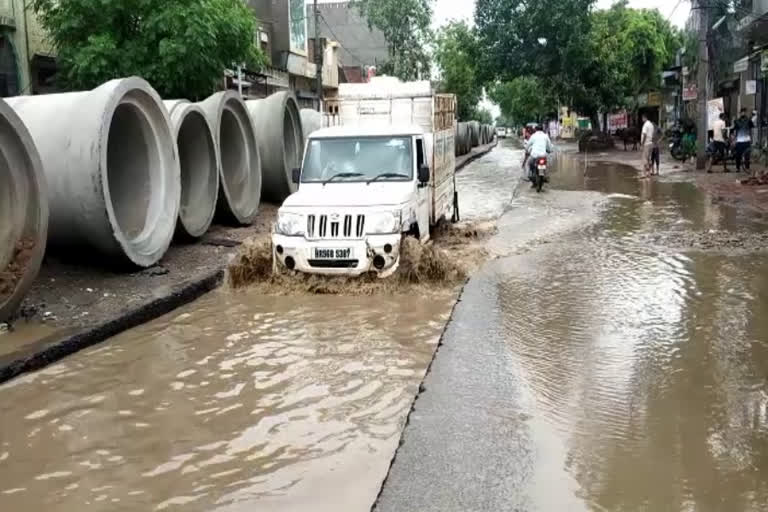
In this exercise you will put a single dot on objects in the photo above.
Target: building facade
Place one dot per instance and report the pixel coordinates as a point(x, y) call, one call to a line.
point(360, 48)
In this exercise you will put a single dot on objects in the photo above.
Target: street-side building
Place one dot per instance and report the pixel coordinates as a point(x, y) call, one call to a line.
point(752, 67)
point(284, 37)
point(26, 56)
point(360, 48)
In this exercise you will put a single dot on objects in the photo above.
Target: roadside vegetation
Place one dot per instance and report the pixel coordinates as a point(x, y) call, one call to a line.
point(180, 46)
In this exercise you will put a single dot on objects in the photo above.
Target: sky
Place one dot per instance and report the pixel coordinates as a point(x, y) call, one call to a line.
point(446, 10)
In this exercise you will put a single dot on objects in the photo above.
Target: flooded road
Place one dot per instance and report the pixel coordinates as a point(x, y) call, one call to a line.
point(237, 402)
point(233, 401)
point(604, 363)
point(613, 357)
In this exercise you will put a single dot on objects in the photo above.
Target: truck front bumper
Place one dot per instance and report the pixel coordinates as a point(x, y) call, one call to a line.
point(375, 253)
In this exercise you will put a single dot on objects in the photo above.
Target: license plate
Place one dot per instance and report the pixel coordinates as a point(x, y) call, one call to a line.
point(542, 167)
point(332, 254)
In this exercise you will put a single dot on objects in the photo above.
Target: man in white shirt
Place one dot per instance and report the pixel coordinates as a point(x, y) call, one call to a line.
point(646, 142)
point(718, 142)
point(537, 146)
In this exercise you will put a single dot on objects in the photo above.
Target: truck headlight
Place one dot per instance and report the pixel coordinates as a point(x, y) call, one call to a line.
point(383, 223)
point(290, 224)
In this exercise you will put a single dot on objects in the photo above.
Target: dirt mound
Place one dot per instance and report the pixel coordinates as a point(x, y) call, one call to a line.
point(443, 263)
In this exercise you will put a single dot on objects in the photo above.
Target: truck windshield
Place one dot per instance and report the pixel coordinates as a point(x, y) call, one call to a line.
point(358, 159)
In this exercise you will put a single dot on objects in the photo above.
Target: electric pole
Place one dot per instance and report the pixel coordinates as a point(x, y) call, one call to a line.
point(702, 77)
point(318, 59)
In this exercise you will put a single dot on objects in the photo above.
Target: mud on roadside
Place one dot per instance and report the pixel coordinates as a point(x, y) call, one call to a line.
point(453, 253)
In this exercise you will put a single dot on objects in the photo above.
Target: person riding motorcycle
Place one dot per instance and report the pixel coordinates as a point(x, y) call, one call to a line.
point(538, 146)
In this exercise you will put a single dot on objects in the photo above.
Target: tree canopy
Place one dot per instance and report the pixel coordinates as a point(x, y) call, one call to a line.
point(456, 56)
point(567, 52)
point(522, 99)
point(406, 25)
point(180, 46)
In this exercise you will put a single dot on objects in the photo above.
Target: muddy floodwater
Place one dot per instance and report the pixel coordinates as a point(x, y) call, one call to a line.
point(611, 356)
point(615, 360)
point(233, 401)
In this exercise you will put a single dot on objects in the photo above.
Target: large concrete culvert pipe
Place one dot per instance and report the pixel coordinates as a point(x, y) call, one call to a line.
point(199, 163)
point(240, 163)
point(281, 141)
point(112, 170)
point(311, 121)
point(23, 211)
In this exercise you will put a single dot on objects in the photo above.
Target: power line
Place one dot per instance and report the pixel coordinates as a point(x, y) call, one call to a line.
point(673, 10)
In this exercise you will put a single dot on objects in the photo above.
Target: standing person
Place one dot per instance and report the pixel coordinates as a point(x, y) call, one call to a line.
point(655, 150)
point(646, 141)
point(719, 145)
point(743, 128)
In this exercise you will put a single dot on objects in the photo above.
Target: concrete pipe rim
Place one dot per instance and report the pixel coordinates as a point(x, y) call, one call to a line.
point(239, 160)
point(199, 168)
point(23, 210)
point(139, 168)
point(292, 146)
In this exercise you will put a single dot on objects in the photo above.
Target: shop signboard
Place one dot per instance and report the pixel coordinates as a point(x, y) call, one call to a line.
point(690, 92)
point(715, 107)
point(741, 65)
point(617, 121)
point(654, 99)
point(750, 87)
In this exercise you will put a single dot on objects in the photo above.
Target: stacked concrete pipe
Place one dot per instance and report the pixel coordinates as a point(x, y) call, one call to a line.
point(199, 164)
point(281, 141)
point(23, 211)
point(239, 159)
point(311, 121)
point(112, 170)
point(474, 133)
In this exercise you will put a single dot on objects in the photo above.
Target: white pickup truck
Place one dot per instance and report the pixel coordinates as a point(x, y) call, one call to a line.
point(384, 172)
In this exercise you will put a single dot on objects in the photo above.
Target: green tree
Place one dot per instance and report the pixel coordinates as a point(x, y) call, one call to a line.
point(522, 99)
point(406, 28)
point(483, 115)
point(456, 57)
point(180, 46)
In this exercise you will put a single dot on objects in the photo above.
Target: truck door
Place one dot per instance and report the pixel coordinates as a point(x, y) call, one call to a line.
point(423, 191)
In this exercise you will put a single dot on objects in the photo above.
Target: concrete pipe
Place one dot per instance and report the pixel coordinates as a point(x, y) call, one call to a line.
point(311, 121)
point(23, 211)
point(474, 133)
point(281, 141)
point(199, 163)
point(112, 169)
point(240, 162)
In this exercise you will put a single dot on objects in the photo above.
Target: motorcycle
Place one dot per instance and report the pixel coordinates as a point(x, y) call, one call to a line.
point(539, 173)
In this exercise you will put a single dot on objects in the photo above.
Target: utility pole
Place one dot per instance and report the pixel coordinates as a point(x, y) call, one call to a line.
point(318, 59)
point(701, 84)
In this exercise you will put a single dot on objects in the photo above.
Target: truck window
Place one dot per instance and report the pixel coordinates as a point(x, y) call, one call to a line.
point(358, 159)
point(420, 160)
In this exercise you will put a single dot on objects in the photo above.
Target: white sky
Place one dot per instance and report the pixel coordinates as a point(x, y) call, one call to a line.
point(446, 10)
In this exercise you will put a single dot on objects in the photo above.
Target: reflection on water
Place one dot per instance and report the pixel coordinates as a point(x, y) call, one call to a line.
point(487, 186)
point(235, 402)
point(648, 367)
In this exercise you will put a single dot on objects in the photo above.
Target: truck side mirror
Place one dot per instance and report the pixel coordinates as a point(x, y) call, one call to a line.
point(424, 174)
point(295, 175)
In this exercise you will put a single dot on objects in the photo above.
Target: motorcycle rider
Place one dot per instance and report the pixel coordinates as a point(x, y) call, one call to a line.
point(538, 146)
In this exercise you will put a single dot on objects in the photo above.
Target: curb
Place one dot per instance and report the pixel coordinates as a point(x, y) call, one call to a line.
point(471, 157)
point(48, 351)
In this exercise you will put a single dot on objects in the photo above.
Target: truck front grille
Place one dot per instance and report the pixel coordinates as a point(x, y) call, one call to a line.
point(335, 227)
